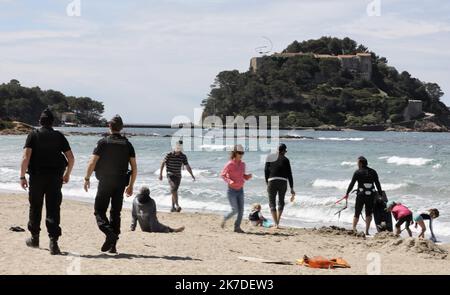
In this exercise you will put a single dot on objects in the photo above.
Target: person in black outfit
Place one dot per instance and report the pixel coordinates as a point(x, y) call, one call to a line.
point(48, 160)
point(366, 178)
point(110, 161)
point(278, 173)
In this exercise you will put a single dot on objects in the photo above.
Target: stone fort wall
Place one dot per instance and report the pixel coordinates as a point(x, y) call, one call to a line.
point(360, 63)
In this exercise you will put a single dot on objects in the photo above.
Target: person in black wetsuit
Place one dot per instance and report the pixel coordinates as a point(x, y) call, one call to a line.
point(48, 159)
point(278, 174)
point(367, 179)
point(111, 159)
point(144, 212)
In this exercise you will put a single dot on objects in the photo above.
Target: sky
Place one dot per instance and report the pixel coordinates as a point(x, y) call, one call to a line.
point(153, 60)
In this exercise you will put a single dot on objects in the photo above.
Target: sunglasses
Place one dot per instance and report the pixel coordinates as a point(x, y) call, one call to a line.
point(240, 153)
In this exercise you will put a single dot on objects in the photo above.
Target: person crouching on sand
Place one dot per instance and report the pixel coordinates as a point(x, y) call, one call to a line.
point(420, 221)
point(144, 212)
point(234, 175)
point(402, 215)
point(256, 217)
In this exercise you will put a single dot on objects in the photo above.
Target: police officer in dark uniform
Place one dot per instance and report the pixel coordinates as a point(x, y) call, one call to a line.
point(110, 161)
point(367, 179)
point(48, 160)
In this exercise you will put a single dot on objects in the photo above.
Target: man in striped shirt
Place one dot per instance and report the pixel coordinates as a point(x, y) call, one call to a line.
point(173, 162)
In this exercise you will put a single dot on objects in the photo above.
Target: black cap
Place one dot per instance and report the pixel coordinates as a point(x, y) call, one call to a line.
point(116, 123)
point(46, 118)
point(282, 148)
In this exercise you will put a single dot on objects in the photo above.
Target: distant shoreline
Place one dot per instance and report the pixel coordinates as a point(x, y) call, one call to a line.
point(427, 126)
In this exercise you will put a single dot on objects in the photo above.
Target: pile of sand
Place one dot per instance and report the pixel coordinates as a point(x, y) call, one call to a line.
point(339, 231)
point(389, 241)
point(423, 247)
point(385, 235)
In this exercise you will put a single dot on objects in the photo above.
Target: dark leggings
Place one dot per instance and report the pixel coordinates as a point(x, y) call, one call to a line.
point(277, 187)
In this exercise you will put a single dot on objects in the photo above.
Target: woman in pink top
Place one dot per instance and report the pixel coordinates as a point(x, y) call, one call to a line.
point(402, 214)
point(234, 175)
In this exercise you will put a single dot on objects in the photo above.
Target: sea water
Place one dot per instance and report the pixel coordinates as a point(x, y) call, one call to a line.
point(413, 169)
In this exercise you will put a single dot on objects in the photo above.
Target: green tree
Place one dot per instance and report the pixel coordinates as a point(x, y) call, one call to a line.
point(26, 104)
point(308, 91)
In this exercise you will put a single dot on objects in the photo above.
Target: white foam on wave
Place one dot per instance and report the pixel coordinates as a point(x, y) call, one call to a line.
point(197, 173)
point(8, 174)
point(10, 186)
point(346, 163)
point(326, 183)
point(437, 166)
point(315, 201)
point(341, 138)
point(343, 184)
point(307, 208)
point(406, 161)
point(311, 214)
point(215, 147)
point(164, 200)
point(5, 170)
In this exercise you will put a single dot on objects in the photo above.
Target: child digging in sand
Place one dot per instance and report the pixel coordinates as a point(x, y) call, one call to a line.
point(402, 215)
point(420, 221)
point(256, 217)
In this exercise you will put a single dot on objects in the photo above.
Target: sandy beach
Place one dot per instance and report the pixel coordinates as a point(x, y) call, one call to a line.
point(204, 248)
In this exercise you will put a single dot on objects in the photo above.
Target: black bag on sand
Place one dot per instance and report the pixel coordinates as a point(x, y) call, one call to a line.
point(383, 219)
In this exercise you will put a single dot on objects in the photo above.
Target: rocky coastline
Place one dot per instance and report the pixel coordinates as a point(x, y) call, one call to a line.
point(19, 128)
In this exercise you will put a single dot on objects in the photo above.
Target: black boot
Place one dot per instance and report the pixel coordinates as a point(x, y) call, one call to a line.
point(113, 249)
point(238, 230)
point(110, 241)
point(33, 241)
point(54, 248)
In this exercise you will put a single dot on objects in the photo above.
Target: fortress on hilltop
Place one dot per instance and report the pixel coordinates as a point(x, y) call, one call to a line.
point(360, 63)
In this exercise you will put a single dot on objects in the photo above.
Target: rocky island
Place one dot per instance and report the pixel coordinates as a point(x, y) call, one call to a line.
point(329, 84)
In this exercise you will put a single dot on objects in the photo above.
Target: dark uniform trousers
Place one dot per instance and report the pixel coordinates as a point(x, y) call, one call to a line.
point(110, 190)
point(48, 187)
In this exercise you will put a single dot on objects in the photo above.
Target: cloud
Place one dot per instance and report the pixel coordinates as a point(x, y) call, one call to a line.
point(146, 52)
point(394, 27)
point(7, 37)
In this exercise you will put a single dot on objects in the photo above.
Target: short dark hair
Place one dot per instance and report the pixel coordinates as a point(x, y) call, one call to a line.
point(46, 119)
point(144, 190)
point(434, 213)
point(282, 148)
point(116, 123)
point(363, 161)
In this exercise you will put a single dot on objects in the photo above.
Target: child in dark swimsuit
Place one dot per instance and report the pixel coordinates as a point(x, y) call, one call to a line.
point(256, 217)
point(420, 221)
